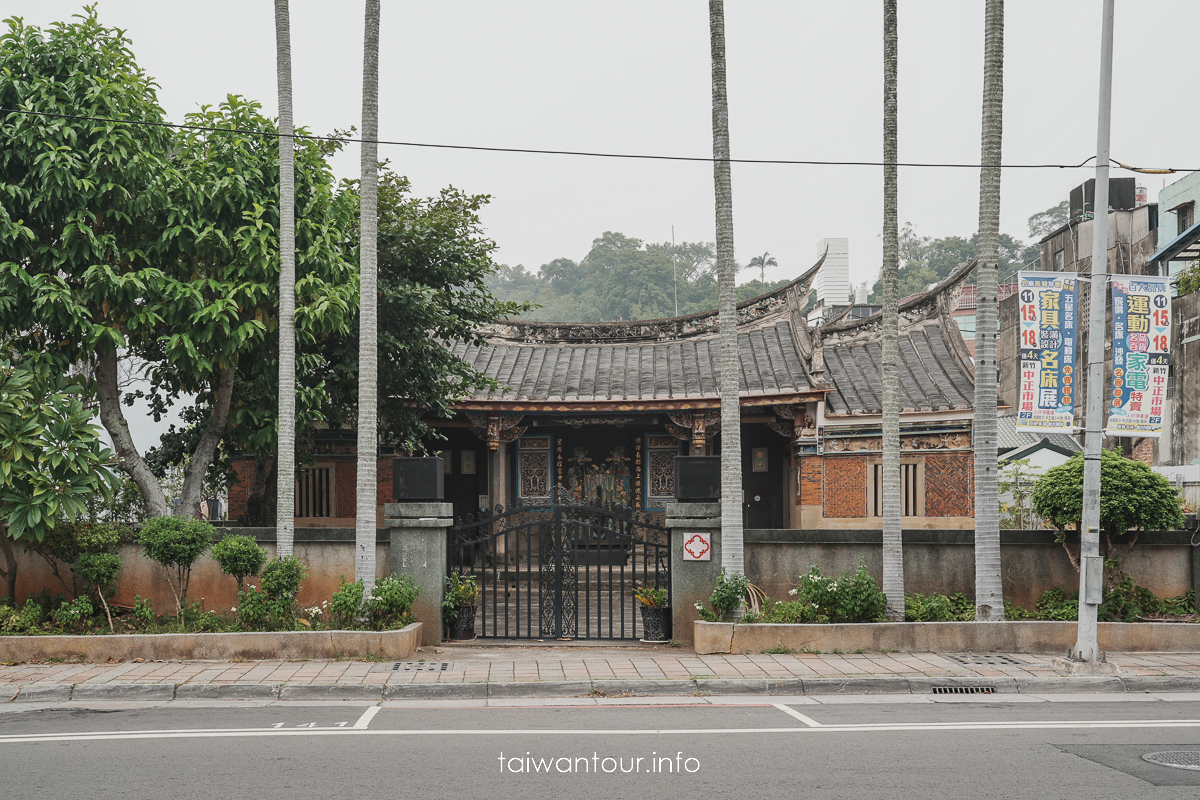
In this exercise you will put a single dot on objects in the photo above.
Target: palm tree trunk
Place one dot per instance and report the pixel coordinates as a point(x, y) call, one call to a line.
point(989, 588)
point(285, 498)
point(732, 557)
point(893, 539)
point(368, 330)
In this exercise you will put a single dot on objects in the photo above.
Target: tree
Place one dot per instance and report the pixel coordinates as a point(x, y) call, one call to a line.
point(1133, 498)
point(1044, 223)
point(368, 309)
point(51, 457)
point(177, 544)
point(285, 458)
point(239, 556)
point(893, 534)
point(762, 262)
point(989, 588)
point(731, 414)
point(100, 571)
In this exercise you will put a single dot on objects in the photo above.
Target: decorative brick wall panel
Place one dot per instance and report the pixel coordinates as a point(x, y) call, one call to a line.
point(240, 490)
point(347, 481)
point(811, 480)
point(1144, 452)
point(844, 486)
point(949, 490)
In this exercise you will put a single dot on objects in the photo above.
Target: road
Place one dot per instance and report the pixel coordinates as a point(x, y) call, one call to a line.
point(903, 746)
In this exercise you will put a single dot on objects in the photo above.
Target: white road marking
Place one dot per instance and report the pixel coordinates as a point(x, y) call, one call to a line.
point(911, 727)
point(366, 718)
point(807, 720)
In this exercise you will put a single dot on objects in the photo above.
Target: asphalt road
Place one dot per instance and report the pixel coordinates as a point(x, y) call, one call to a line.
point(857, 747)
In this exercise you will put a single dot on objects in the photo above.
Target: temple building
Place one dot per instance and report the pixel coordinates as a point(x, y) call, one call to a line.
point(599, 411)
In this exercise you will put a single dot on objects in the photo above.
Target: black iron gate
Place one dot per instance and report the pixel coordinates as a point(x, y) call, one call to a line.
point(560, 570)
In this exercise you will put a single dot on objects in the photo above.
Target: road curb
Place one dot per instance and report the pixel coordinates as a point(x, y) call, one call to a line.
point(227, 691)
point(1059, 684)
point(880, 685)
point(123, 691)
point(1160, 683)
point(49, 693)
point(517, 689)
point(436, 691)
point(1000, 684)
point(332, 691)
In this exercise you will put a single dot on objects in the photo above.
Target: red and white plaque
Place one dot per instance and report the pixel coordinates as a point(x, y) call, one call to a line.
point(697, 547)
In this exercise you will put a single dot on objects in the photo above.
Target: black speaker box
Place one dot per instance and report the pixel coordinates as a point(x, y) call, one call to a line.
point(697, 478)
point(418, 479)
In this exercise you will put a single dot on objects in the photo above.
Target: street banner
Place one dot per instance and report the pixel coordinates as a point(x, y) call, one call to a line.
point(1141, 340)
point(1049, 316)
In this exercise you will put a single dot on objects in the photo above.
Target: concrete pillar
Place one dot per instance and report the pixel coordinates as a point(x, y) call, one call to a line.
point(417, 548)
point(692, 581)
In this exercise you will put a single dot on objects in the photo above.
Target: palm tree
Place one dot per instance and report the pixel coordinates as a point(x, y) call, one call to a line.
point(989, 589)
point(893, 536)
point(285, 466)
point(732, 557)
point(368, 328)
point(762, 262)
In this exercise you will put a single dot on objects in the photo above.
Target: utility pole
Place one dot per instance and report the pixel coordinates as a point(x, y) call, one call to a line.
point(1091, 566)
point(674, 271)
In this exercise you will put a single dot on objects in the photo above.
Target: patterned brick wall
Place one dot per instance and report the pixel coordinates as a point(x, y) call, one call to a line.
point(1144, 452)
point(949, 479)
point(347, 480)
point(844, 486)
point(811, 480)
point(239, 491)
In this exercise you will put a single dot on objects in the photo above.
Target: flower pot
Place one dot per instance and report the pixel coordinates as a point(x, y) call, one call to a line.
point(656, 624)
point(463, 627)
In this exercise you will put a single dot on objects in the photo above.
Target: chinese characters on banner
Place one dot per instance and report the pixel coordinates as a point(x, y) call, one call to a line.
point(1141, 355)
point(1047, 342)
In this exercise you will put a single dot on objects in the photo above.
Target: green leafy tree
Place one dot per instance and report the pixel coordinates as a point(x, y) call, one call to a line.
point(51, 457)
point(1133, 498)
point(239, 556)
point(100, 572)
point(1188, 280)
point(1044, 223)
point(177, 544)
point(1017, 479)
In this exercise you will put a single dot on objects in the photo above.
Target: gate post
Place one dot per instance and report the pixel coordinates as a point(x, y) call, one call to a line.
point(417, 547)
point(692, 581)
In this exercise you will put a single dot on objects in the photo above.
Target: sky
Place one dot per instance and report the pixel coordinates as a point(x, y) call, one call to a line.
point(633, 76)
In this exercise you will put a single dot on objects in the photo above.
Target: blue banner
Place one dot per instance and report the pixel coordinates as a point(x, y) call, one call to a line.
point(1141, 337)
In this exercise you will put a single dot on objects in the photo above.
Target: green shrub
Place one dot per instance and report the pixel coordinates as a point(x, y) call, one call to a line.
point(1054, 604)
point(851, 597)
point(281, 578)
point(100, 571)
point(143, 610)
point(791, 611)
point(25, 619)
point(239, 556)
point(67, 541)
point(273, 607)
point(391, 603)
point(75, 615)
point(177, 544)
point(727, 597)
point(346, 605)
point(938, 608)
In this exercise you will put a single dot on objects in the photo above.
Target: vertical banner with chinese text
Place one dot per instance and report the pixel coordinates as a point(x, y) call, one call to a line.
point(1141, 330)
point(1049, 311)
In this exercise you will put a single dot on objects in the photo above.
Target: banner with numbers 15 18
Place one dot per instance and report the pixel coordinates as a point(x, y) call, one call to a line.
point(1141, 322)
point(1049, 310)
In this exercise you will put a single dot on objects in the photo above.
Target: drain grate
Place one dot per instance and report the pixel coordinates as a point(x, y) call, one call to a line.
point(964, 689)
point(985, 660)
point(421, 666)
point(1180, 759)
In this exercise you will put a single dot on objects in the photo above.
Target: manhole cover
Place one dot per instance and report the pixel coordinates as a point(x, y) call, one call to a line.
point(1180, 759)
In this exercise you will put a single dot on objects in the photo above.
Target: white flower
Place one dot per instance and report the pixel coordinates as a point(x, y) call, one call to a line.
point(233, 609)
point(794, 592)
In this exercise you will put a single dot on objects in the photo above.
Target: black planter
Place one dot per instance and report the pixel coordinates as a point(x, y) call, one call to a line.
point(656, 624)
point(463, 627)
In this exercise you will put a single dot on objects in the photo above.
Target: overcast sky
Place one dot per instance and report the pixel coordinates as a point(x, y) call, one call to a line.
point(633, 76)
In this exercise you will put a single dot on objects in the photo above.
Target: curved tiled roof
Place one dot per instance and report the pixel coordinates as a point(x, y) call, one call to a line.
point(676, 359)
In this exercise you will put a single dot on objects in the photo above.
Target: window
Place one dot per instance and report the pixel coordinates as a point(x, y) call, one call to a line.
point(1059, 260)
point(1186, 214)
point(314, 492)
point(912, 490)
point(966, 325)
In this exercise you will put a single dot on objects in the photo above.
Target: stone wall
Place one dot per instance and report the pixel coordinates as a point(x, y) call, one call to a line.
point(943, 561)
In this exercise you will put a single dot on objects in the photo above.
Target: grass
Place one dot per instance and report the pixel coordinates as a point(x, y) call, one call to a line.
point(779, 651)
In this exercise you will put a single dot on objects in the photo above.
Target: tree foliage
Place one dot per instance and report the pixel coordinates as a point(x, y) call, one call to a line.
point(1044, 223)
point(1133, 498)
point(622, 278)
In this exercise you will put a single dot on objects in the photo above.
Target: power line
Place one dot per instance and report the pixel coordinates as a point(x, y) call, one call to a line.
point(536, 151)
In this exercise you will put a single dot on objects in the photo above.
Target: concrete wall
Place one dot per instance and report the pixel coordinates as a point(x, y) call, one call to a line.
point(944, 561)
point(1185, 404)
point(327, 552)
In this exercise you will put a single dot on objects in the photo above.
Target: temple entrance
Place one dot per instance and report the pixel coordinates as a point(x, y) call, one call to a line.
point(560, 570)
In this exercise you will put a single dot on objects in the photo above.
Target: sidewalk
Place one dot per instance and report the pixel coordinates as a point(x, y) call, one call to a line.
point(475, 672)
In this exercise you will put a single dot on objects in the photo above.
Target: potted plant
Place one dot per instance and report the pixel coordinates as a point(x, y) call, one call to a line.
point(458, 605)
point(656, 616)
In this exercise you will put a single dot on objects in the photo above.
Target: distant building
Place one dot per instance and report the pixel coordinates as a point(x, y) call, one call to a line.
point(1179, 224)
point(832, 284)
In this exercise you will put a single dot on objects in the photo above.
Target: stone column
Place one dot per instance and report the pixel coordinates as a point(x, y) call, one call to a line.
point(417, 548)
point(692, 581)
